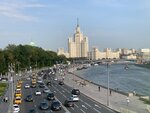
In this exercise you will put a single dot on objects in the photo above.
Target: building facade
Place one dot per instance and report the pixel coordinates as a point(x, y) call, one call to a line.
point(78, 45)
point(95, 54)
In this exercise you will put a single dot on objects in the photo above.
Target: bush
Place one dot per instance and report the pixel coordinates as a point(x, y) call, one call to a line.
point(3, 87)
point(145, 101)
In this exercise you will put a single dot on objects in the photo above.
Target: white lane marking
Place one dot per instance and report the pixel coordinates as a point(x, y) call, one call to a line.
point(81, 100)
point(82, 110)
point(97, 106)
point(64, 96)
point(63, 91)
point(87, 104)
point(76, 105)
point(96, 110)
point(72, 108)
point(84, 106)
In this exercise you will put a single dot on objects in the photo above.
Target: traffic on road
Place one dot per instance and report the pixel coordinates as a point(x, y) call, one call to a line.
point(43, 92)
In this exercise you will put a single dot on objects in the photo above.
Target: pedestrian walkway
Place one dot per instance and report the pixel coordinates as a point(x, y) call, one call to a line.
point(118, 101)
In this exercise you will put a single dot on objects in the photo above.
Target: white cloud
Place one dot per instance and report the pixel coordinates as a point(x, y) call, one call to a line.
point(16, 9)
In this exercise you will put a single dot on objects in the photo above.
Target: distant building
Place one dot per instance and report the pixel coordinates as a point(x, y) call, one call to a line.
point(61, 51)
point(145, 54)
point(95, 54)
point(77, 46)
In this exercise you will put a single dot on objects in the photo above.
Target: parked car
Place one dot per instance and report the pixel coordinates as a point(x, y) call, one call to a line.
point(56, 106)
point(75, 92)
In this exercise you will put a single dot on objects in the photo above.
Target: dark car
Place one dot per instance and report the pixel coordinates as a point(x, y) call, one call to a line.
point(61, 83)
point(68, 103)
point(41, 85)
point(50, 96)
point(48, 83)
point(55, 106)
point(47, 112)
point(75, 92)
point(29, 98)
point(33, 86)
point(44, 105)
point(32, 111)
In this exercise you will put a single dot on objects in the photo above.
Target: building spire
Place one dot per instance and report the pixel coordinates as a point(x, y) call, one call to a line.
point(77, 22)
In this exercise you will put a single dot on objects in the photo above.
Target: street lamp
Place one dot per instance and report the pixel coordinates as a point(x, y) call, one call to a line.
point(108, 90)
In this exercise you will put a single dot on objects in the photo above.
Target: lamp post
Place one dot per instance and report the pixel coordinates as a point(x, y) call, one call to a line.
point(108, 90)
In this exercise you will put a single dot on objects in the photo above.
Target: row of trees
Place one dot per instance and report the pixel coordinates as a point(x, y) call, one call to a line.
point(23, 57)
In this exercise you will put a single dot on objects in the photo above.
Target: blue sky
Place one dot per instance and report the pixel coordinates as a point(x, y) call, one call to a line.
point(49, 23)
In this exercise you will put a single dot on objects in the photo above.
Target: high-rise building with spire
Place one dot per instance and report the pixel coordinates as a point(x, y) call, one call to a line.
point(78, 45)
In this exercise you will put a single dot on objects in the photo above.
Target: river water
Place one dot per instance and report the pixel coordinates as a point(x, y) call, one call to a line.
point(133, 79)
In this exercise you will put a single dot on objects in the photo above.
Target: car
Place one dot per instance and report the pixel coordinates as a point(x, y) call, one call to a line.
point(47, 112)
point(28, 78)
point(41, 85)
point(32, 111)
point(46, 90)
point(17, 100)
point(38, 92)
point(48, 83)
point(29, 98)
point(75, 92)
point(50, 96)
point(44, 105)
point(18, 94)
point(27, 86)
point(16, 108)
point(68, 103)
point(33, 86)
point(39, 81)
point(61, 83)
point(55, 79)
point(55, 106)
point(74, 98)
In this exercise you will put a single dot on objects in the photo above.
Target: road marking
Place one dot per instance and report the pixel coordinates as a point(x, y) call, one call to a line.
point(87, 104)
point(97, 106)
point(72, 108)
point(96, 110)
point(64, 96)
point(82, 110)
point(81, 100)
point(76, 105)
point(84, 107)
point(63, 91)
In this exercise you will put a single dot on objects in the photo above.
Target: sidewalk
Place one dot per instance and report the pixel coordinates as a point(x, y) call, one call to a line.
point(4, 106)
point(118, 101)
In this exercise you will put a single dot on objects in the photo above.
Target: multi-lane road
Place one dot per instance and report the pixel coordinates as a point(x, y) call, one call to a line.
point(62, 92)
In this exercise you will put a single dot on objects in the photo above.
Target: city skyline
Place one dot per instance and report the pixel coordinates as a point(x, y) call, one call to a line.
point(107, 23)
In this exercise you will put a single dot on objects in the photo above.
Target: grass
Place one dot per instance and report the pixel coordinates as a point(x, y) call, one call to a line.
point(145, 101)
point(3, 87)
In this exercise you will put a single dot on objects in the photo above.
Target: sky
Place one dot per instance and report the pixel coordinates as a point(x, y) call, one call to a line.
point(49, 23)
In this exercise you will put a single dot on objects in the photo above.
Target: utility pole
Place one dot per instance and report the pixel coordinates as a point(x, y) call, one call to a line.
point(108, 90)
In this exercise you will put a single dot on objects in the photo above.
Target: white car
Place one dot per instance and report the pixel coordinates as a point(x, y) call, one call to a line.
point(27, 86)
point(16, 108)
point(38, 93)
point(74, 98)
point(46, 90)
point(39, 81)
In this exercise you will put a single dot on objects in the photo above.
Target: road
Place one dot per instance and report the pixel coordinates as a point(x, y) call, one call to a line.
point(62, 92)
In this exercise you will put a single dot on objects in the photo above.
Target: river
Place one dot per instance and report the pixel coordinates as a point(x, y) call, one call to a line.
point(133, 79)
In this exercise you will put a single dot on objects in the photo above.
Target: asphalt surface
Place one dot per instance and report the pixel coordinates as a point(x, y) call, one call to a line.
point(62, 92)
